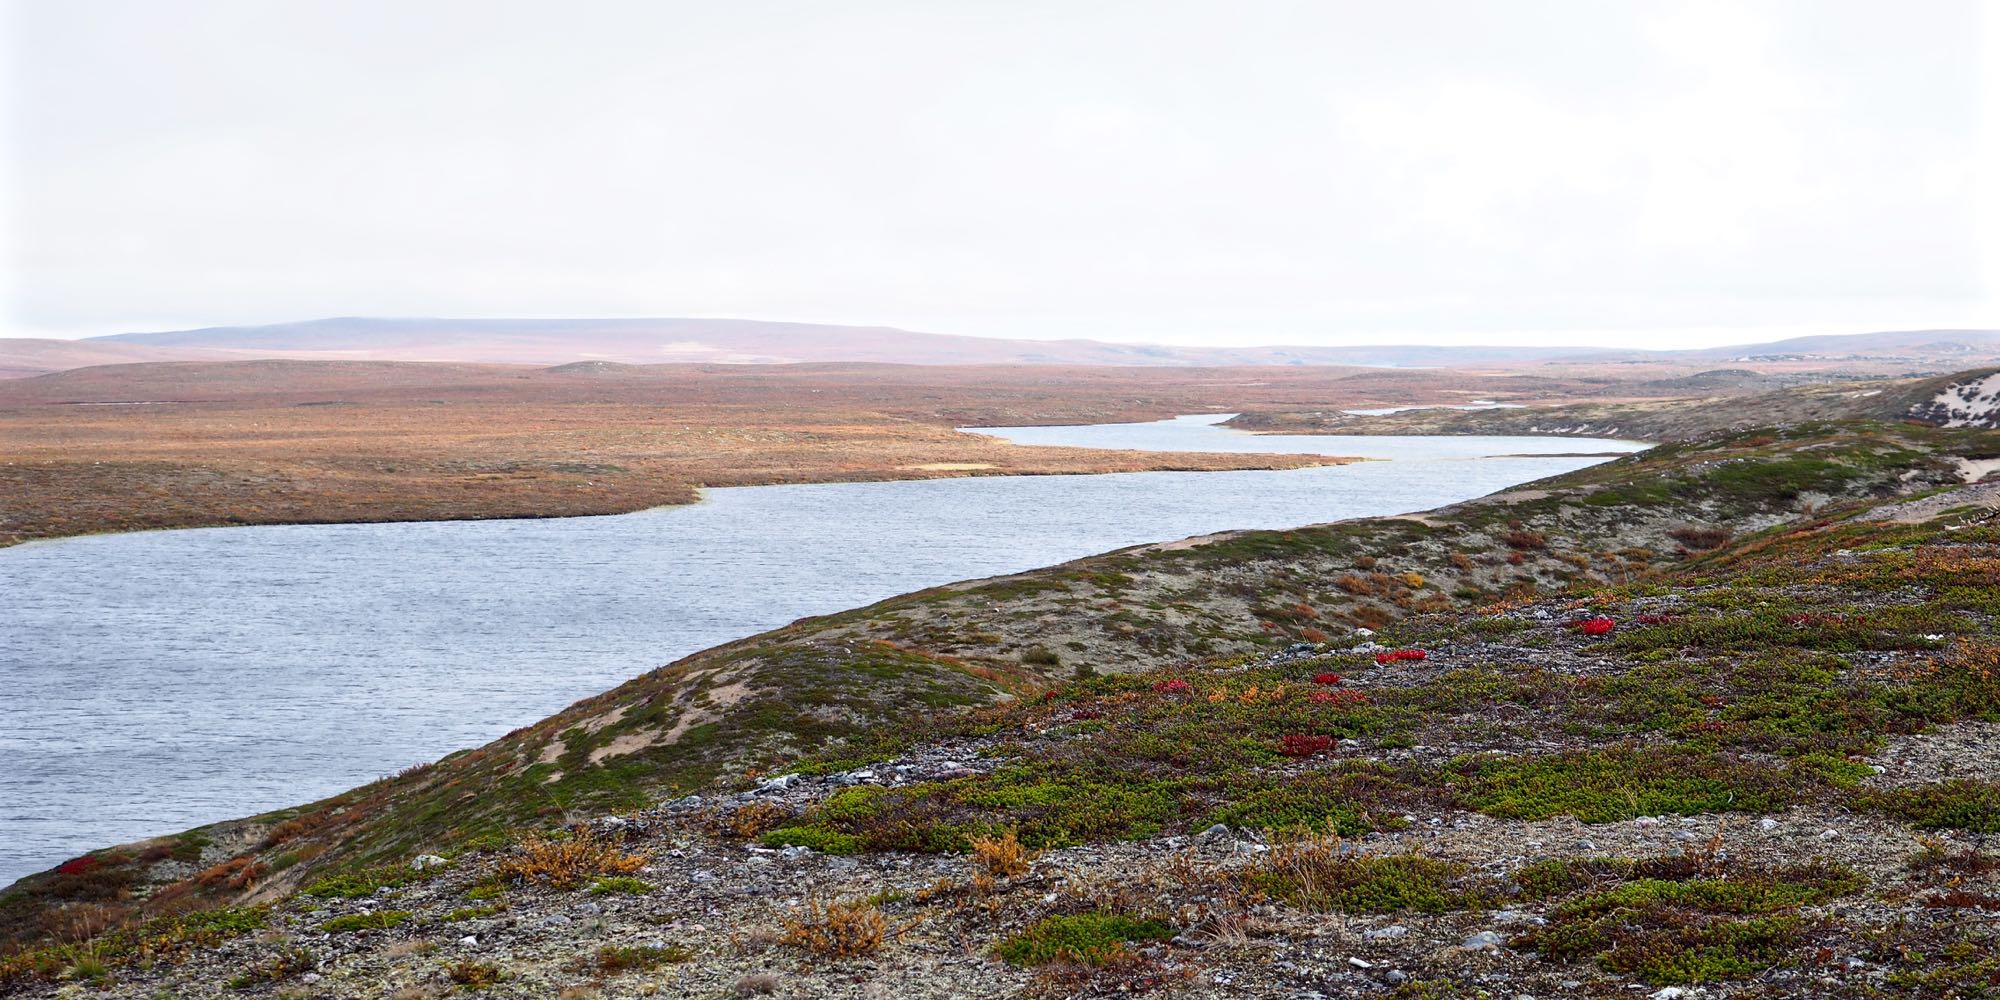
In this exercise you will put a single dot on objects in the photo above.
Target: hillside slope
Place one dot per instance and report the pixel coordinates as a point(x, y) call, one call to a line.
point(1740, 551)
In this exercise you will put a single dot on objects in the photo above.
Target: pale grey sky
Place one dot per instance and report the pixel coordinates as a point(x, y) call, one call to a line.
point(1649, 173)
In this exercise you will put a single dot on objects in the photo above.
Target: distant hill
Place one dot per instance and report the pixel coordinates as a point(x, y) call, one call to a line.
point(1934, 345)
point(21, 357)
point(737, 341)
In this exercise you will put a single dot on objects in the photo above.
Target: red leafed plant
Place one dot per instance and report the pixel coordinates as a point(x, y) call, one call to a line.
point(1596, 626)
point(1398, 655)
point(77, 866)
point(1326, 678)
point(1086, 714)
point(1656, 619)
point(1301, 745)
point(1175, 686)
point(1341, 699)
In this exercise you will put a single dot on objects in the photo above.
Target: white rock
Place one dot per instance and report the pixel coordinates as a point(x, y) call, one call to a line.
point(1767, 824)
point(423, 861)
point(1361, 963)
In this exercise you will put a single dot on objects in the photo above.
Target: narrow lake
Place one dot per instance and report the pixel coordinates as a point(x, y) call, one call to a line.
point(156, 681)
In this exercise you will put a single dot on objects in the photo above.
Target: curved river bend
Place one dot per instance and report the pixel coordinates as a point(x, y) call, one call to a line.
point(152, 682)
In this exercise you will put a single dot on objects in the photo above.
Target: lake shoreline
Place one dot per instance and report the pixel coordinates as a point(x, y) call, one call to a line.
point(267, 673)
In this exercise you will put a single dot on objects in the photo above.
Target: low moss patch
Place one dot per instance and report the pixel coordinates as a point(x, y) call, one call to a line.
point(621, 885)
point(1956, 804)
point(1083, 938)
point(1688, 921)
point(358, 882)
point(465, 913)
point(1606, 786)
point(1324, 877)
point(377, 921)
point(638, 958)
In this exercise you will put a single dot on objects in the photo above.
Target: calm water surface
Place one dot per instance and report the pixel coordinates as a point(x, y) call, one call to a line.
point(155, 681)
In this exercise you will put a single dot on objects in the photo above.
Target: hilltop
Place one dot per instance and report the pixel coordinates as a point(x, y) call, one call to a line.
point(1722, 711)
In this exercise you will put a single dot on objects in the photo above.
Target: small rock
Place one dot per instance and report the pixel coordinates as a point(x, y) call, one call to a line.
point(1767, 824)
point(1394, 977)
point(1361, 963)
point(1586, 845)
point(1671, 993)
point(469, 941)
point(1483, 940)
point(424, 861)
point(1388, 933)
point(1216, 832)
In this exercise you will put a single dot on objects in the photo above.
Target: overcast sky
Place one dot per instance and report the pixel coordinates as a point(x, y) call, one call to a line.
point(1638, 173)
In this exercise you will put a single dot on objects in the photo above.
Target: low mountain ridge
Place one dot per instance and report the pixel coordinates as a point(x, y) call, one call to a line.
point(739, 341)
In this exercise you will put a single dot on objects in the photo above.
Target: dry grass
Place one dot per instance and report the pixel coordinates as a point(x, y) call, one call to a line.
point(475, 975)
point(752, 820)
point(1002, 856)
point(568, 862)
point(839, 930)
